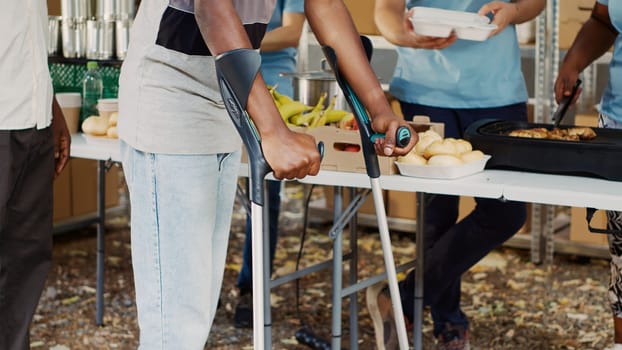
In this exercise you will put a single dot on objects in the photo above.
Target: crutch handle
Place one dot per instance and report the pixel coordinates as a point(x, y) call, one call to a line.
point(236, 71)
point(368, 137)
point(402, 136)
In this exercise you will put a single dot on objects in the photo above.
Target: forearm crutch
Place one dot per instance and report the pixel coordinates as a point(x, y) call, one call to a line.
point(373, 171)
point(236, 71)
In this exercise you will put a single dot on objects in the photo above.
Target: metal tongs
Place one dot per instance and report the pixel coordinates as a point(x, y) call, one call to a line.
point(373, 171)
point(565, 104)
point(236, 71)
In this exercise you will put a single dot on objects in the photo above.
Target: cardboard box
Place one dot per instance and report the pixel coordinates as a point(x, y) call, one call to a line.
point(404, 205)
point(579, 231)
point(84, 186)
point(572, 15)
point(53, 7)
point(362, 12)
point(62, 195)
point(590, 120)
point(343, 151)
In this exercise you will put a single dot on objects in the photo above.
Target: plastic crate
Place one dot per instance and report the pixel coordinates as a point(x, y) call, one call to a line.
point(67, 77)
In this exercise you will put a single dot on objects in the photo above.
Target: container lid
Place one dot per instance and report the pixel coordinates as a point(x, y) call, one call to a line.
point(91, 65)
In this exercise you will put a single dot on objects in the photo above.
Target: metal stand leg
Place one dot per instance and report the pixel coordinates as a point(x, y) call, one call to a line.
point(353, 280)
point(337, 272)
point(257, 271)
point(266, 271)
point(101, 219)
point(418, 311)
point(536, 234)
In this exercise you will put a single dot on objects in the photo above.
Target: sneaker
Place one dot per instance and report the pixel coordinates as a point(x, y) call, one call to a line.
point(381, 312)
point(243, 316)
point(453, 338)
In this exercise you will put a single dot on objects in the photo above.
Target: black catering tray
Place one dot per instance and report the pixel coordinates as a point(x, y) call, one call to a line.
point(600, 157)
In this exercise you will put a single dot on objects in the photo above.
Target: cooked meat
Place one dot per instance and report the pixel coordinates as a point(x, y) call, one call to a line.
point(570, 134)
point(583, 133)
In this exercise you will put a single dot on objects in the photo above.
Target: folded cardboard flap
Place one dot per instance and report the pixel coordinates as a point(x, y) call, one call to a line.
point(579, 230)
point(421, 123)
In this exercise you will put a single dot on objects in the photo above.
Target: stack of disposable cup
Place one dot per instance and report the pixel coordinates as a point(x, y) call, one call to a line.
point(70, 103)
point(106, 106)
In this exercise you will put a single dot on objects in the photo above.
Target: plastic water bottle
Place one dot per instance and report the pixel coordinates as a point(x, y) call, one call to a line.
point(92, 90)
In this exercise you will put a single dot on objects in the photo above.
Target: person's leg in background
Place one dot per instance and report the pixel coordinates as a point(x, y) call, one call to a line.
point(450, 250)
point(181, 215)
point(243, 316)
point(26, 187)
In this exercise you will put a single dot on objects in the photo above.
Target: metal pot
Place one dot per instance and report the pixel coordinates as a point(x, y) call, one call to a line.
point(309, 86)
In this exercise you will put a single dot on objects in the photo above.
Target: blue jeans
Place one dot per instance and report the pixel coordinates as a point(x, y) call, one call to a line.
point(451, 247)
point(181, 208)
point(245, 278)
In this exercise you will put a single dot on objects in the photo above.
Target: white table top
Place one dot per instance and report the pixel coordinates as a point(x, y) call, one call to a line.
point(99, 148)
point(572, 191)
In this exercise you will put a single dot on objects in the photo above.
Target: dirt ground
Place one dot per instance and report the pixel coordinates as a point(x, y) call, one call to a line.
point(511, 303)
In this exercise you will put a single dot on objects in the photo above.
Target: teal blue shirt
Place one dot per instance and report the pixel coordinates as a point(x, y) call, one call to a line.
point(611, 102)
point(276, 62)
point(467, 74)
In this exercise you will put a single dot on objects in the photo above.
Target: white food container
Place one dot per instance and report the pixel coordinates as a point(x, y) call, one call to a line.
point(440, 23)
point(442, 171)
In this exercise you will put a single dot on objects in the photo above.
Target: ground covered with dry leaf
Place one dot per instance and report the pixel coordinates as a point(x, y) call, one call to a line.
point(511, 303)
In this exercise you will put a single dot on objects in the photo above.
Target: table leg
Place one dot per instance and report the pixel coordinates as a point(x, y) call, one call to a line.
point(418, 302)
point(337, 272)
point(353, 279)
point(101, 219)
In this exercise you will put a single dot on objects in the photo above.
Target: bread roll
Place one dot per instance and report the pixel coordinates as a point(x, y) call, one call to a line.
point(431, 133)
point(112, 119)
point(112, 132)
point(436, 148)
point(445, 160)
point(412, 158)
point(472, 156)
point(463, 146)
point(95, 125)
point(423, 143)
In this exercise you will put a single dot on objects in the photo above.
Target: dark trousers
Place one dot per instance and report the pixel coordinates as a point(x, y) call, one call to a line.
point(26, 175)
point(245, 278)
point(451, 247)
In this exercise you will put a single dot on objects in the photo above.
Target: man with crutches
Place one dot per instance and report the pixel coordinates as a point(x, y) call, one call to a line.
point(181, 153)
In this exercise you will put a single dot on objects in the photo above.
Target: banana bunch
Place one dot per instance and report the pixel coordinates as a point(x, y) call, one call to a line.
point(296, 113)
